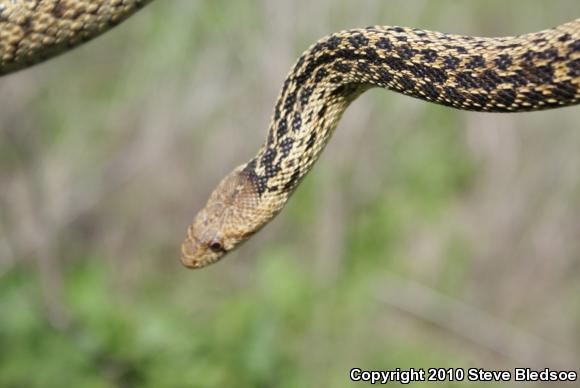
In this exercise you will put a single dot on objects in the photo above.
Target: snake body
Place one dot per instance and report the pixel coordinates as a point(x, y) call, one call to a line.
point(530, 72)
point(34, 30)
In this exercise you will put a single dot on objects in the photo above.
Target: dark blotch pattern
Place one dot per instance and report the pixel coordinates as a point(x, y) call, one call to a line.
point(395, 64)
point(564, 91)
point(384, 44)
point(479, 98)
point(467, 80)
point(542, 74)
point(451, 63)
point(358, 40)
point(342, 67)
point(336, 79)
point(503, 61)
point(407, 83)
point(260, 182)
point(320, 74)
point(297, 122)
point(282, 128)
point(429, 55)
point(385, 76)
point(311, 140)
point(430, 91)
point(476, 62)
point(286, 146)
point(305, 95)
point(490, 80)
point(333, 42)
point(574, 68)
point(406, 52)
point(453, 95)
point(363, 67)
point(289, 101)
point(506, 96)
point(268, 161)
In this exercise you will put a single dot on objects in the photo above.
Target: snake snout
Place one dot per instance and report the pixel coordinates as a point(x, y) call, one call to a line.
point(196, 254)
point(189, 252)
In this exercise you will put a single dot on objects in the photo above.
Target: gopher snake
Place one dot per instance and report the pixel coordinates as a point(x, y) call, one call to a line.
point(512, 74)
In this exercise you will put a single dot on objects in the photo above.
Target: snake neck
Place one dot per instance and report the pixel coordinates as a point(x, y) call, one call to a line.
point(296, 140)
point(530, 72)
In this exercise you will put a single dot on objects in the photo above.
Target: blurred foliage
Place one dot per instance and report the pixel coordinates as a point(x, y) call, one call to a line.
point(259, 337)
point(103, 153)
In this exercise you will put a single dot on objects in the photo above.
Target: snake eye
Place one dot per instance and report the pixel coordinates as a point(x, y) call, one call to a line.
point(216, 246)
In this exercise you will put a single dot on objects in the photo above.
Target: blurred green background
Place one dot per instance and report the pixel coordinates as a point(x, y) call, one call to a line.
point(425, 237)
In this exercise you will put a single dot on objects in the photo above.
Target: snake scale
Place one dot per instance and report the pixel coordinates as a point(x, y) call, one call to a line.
point(529, 72)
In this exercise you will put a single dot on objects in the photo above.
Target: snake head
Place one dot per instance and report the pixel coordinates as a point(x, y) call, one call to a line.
point(231, 215)
point(205, 242)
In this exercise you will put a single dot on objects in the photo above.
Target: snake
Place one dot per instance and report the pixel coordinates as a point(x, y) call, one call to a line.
point(528, 72)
